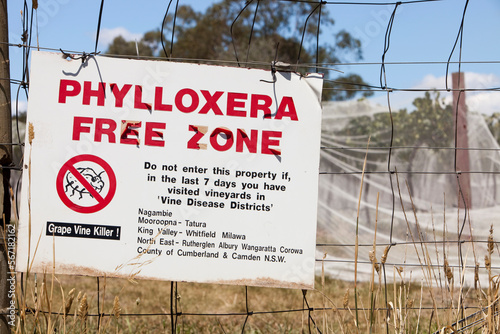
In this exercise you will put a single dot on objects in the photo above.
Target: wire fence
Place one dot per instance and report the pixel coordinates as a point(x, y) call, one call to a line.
point(345, 251)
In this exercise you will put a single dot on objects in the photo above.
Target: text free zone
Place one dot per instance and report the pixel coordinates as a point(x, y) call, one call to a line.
point(185, 100)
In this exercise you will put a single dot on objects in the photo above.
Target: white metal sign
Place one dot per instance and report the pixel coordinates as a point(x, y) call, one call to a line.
point(170, 171)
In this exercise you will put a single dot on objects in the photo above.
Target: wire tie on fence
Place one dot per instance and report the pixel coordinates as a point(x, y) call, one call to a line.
point(66, 55)
point(273, 73)
point(83, 57)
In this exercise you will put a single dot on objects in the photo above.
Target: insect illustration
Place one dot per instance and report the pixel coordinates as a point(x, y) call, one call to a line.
point(92, 178)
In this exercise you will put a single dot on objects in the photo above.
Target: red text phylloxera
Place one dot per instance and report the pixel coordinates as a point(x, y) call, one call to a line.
point(186, 101)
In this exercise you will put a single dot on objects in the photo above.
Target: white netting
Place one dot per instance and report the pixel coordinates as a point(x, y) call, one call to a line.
point(433, 193)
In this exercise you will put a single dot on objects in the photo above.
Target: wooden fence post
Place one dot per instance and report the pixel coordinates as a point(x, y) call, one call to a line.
point(462, 154)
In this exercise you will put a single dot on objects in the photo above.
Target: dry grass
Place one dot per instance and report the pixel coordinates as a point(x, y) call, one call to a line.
point(144, 307)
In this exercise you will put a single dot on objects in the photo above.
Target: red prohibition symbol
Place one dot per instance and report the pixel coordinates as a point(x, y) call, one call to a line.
point(75, 185)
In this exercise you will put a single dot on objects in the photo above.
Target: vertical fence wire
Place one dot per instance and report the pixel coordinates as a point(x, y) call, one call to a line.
point(457, 116)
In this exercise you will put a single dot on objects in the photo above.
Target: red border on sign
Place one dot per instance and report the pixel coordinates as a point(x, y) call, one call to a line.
point(69, 166)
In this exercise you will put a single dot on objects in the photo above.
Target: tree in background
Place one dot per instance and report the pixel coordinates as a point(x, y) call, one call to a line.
point(254, 33)
point(122, 47)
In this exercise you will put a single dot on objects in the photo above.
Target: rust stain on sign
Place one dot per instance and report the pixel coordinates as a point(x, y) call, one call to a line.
point(65, 269)
point(266, 282)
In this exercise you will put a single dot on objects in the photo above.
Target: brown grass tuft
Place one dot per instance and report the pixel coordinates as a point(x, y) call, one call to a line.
point(345, 301)
point(491, 243)
point(487, 262)
point(374, 262)
point(383, 259)
point(447, 271)
point(83, 309)
point(31, 133)
point(116, 307)
point(69, 302)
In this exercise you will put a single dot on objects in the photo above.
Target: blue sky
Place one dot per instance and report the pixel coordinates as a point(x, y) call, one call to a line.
point(422, 32)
